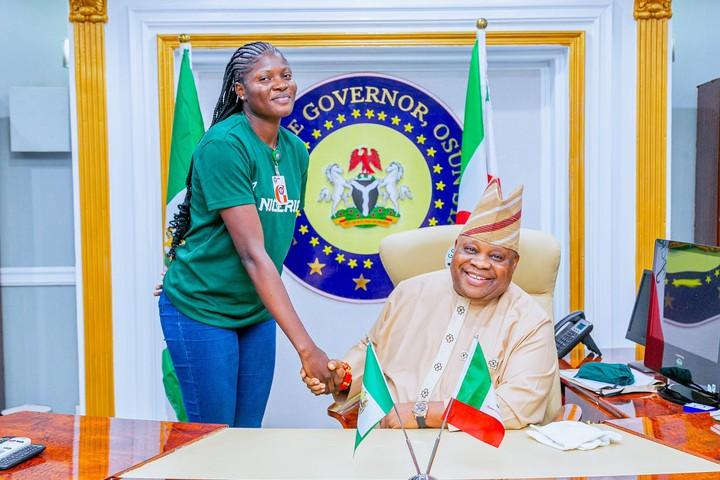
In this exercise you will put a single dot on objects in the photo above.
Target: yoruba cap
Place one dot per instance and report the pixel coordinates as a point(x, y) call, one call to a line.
point(496, 220)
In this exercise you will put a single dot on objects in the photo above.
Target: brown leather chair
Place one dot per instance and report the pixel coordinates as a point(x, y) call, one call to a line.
point(414, 252)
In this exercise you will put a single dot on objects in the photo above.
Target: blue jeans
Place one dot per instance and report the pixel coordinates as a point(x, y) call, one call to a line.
point(225, 374)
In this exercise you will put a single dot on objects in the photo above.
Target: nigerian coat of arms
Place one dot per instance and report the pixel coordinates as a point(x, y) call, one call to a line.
point(367, 199)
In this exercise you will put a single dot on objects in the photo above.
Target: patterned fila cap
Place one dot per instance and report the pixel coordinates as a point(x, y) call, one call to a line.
point(496, 220)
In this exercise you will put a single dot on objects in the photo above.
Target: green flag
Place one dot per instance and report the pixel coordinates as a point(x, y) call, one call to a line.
point(375, 399)
point(187, 130)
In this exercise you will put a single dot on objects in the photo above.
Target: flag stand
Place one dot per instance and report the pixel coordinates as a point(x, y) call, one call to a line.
point(426, 475)
point(407, 440)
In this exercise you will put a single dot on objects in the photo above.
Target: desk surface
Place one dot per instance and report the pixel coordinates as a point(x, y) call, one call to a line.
point(687, 432)
point(328, 454)
point(93, 447)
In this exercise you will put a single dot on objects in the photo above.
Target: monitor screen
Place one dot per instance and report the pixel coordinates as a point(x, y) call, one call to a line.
point(684, 321)
point(638, 320)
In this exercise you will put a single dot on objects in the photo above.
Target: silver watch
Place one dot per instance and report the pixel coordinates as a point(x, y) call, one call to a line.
point(420, 411)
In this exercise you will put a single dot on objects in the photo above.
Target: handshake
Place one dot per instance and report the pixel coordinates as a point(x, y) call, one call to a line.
point(340, 379)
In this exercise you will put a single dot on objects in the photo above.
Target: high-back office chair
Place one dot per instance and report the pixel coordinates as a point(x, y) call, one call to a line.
point(414, 252)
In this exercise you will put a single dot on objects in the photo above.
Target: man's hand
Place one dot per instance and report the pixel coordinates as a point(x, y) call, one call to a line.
point(406, 415)
point(319, 388)
point(315, 386)
point(315, 363)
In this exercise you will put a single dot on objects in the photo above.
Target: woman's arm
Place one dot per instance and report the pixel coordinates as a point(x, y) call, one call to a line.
point(243, 224)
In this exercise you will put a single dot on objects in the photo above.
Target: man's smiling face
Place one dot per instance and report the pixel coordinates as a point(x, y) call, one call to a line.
point(480, 270)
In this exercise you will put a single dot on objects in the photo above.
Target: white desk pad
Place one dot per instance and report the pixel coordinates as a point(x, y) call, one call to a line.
point(233, 454)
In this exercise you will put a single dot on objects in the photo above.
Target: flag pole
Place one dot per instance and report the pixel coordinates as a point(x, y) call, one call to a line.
point(407, 440)
point(487, 107)
point(437, 439)
point(184, 43)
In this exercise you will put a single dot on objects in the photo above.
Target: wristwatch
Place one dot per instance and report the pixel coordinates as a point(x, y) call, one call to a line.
point(420, 411)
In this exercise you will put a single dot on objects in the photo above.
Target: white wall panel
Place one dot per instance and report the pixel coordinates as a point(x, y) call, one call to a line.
point(39, 346)
point(36, 218)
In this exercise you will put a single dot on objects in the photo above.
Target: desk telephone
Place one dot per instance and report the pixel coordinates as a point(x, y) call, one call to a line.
point(15, 450)
point(574, 329)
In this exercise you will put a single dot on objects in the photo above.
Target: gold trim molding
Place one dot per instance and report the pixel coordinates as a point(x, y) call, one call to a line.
point(652, 9)
point(92, 154)
point(573, 40)
point(88, 11)
point(652, 96)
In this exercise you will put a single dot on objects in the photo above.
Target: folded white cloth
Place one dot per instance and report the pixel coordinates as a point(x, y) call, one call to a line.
point(569, 435)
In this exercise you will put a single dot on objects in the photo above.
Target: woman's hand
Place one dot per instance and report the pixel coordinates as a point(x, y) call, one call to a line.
point(315, 363)
point(159, 287)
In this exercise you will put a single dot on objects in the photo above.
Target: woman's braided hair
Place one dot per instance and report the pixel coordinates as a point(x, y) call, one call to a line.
point(228, 103)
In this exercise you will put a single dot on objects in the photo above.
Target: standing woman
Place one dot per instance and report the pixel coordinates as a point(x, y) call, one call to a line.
point(222, 294)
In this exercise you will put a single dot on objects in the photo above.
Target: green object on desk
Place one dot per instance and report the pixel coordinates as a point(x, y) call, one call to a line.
point(613, 373)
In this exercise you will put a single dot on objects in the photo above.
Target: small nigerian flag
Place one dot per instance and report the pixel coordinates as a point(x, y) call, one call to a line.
point(375, 399)
point(474, 409)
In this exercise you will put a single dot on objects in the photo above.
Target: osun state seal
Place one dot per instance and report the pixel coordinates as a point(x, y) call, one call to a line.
point(384, 158)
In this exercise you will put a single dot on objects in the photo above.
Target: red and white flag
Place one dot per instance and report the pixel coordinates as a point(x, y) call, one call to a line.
point(473, 408)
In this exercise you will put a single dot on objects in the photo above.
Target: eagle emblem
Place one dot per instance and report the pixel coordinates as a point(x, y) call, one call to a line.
point(365, 200)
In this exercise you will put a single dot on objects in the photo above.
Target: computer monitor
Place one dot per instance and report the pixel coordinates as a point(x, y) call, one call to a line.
point(637, 328)
point(684, 321)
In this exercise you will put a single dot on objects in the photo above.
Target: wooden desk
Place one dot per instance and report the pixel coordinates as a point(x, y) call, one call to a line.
point(596, 408)
point(96, 448)
point(93, 447)
point(646, 414)
point(689, 432)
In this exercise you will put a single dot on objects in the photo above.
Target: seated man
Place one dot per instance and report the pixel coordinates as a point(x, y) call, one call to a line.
point(428, 323)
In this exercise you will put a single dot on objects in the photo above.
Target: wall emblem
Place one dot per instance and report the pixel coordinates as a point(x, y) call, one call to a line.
point(355, 200)
point(384, 158)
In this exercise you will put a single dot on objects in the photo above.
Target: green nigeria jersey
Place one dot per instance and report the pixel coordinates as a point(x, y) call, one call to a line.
point(231, 167)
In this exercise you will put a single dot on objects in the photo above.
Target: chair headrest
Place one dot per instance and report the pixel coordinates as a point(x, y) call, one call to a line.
point(423, 250)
